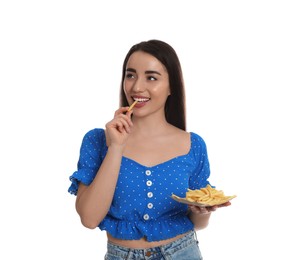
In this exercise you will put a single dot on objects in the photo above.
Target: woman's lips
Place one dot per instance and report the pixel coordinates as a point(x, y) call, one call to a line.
point(141, 104)
point(141, 101)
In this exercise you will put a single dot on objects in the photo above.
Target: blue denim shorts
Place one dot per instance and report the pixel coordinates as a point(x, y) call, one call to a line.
point(184, 248)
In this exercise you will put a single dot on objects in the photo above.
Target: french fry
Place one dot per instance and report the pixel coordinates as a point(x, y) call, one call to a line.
point(131, 107)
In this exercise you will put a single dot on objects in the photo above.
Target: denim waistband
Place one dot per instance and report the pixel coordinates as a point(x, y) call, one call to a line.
point(159, 252)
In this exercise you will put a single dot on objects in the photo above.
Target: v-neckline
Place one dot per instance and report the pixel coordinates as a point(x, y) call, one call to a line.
point(158, 164)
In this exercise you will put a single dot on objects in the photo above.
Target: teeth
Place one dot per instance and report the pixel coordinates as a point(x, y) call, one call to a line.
point(141, 99)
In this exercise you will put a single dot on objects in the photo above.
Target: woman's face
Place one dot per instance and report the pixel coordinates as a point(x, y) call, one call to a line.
point(147, 81)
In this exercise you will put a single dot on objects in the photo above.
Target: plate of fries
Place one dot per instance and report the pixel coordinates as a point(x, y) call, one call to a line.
point(204, 197)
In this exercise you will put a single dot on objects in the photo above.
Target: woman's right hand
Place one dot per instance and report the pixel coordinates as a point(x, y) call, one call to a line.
point(119, 128)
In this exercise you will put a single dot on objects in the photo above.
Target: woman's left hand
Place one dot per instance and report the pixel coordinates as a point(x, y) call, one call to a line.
point(206, 210)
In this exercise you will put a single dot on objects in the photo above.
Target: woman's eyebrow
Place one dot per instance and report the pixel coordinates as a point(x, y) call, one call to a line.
point(146, 72)
point(131, 70)
point(152, 72)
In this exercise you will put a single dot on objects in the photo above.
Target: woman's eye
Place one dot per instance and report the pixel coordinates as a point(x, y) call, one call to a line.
point(129, 75)
point(151, 78)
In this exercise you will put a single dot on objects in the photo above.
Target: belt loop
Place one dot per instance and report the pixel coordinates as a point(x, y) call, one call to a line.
point(129, 255)
point(163, 253)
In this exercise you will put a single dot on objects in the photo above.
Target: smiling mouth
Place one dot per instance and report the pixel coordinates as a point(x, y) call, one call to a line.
point(140, 100)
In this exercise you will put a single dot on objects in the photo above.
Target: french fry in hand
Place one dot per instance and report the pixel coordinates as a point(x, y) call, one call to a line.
point(131, 107)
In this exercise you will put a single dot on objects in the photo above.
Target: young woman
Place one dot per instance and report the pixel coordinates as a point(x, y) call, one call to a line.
point(128, 171)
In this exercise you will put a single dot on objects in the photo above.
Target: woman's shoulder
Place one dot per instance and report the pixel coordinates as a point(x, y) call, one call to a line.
point(95, 131)
point(195, 135)
point(95, 134)
point(197, 139)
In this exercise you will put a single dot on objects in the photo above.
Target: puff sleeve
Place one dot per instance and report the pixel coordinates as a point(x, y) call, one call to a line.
point(201, 173)
point(92, 152)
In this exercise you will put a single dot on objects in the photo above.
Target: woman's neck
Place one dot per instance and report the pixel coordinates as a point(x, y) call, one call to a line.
point(150, 126)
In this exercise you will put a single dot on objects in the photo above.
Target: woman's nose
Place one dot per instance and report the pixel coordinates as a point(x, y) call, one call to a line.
point(138, 86)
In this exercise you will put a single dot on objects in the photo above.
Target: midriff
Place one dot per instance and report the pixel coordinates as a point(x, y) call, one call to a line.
point(141, 243)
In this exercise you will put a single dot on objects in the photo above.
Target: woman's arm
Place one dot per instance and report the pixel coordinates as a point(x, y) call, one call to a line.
point(200, 215)
point(200, 221)
point(93, 201)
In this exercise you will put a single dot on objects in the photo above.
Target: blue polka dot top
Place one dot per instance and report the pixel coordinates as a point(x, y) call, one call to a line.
point(142, 205)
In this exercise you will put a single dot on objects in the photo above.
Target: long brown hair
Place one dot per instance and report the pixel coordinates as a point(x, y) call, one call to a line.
point(175, 111)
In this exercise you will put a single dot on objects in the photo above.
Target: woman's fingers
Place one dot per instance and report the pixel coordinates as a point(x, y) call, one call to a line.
point(121, 110)
point(125, 123)
point(119, 128)
point(121, 124)
point(228, 203)
point(124, 126)
point(202, 210)
point(205, 210)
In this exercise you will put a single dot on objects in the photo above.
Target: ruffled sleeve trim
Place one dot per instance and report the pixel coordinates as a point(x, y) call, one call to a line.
point(84, 176)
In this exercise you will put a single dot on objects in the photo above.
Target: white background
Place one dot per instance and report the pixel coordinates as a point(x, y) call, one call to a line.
point(60, 69)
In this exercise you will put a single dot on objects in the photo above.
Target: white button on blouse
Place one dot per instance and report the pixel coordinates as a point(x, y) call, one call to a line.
point(149, 183)
point(150, 205)
point(148, 172)
point(146, 216)
point(150, 194)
